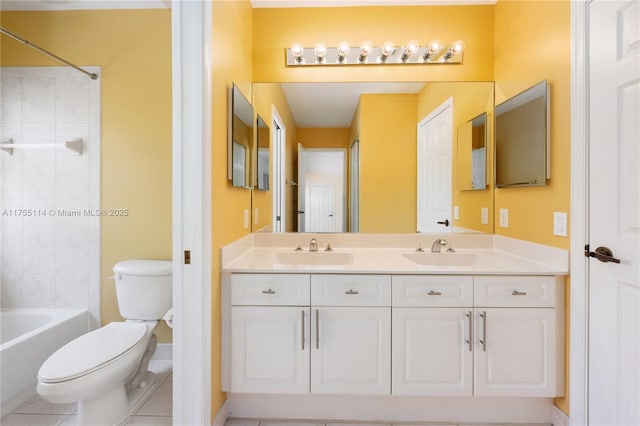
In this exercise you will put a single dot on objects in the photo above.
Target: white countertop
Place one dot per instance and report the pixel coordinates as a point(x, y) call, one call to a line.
point(476, 255)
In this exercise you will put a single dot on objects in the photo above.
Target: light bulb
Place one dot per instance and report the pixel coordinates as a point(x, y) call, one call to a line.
point(434, 46)
point(320, 50)
point(365, 48)
point(457, 46)
point(343, 50)
point(297, 50)
point(387, 48)
point(408, 50)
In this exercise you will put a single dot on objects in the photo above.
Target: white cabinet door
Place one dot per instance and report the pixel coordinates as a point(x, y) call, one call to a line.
point(432, 351)
point(351, 350)
point(515, 352)
point(270, 349)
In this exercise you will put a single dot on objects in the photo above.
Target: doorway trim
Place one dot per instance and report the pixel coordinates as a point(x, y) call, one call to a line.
point(281, 162)
point(191, 39)
point(579, 300)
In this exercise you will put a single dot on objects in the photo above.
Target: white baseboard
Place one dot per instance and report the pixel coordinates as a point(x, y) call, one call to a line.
point(558, 417)
point(163, 351)
point(222, 416)
point(391, 409)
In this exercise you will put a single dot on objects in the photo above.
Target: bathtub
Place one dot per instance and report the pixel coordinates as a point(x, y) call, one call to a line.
point(27, 338)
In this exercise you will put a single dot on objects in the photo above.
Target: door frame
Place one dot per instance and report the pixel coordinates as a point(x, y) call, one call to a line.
point(279, 163)
point(579, 300)
point(191, 40)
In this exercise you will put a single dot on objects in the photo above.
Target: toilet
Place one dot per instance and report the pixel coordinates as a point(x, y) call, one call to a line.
point(105, 371)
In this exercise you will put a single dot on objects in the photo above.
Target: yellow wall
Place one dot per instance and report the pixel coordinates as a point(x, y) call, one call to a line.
point(532, 43)
point(277, 29)
point(232, 45)
point(469, 100)
point(323, 137)
point(133, 49)
point(388, 173)
point(266, 95)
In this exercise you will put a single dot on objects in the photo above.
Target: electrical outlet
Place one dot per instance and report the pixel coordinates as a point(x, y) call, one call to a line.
point(484, 215)
point(560, 224)
point(456, 212)
point(246, 218)
point(504, 218)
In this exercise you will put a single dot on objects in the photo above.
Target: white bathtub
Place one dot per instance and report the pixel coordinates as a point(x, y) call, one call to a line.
point(27, 338)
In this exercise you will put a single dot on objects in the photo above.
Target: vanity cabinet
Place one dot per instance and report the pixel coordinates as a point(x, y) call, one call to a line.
point(482, 336)
point(374, 334)
point(351, 334)
point(269, 333)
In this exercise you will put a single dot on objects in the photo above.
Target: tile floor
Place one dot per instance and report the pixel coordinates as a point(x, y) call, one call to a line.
point(156, 411)
point(252, 422)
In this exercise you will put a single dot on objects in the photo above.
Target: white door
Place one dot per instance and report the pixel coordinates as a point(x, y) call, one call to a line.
point(614, 212)
point(320, 208)
point(434, 169)
point(302, 171)
point(515, 352)
point(279, 161)
point(354, 193)
point(432, 352)
point(270, 349)
point(351, 350)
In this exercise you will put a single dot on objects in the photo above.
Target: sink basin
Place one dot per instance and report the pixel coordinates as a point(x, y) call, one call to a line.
point(443, 259)
point(314, 258)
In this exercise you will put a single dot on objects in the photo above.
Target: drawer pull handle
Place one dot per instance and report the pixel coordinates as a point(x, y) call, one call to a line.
point(434, 293)
point(519, 293)
point(317, 329)
point(303, 334)
point(351, 292)
point(470, 341)
point(483, 341)
point(269, 291)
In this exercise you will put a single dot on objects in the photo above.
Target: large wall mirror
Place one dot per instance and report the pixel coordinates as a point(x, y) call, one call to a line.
point(240, 140)
point(383, 118)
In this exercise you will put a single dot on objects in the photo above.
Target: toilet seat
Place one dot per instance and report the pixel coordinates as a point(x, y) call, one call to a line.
point(92, 351)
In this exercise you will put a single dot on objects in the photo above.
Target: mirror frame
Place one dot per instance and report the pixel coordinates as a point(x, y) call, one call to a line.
point(241, 108)
point(262, 166)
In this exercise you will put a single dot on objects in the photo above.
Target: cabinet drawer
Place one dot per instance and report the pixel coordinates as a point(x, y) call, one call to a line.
point(270, 289)
point(516, 291)
point(350, 290)
point(432, 290)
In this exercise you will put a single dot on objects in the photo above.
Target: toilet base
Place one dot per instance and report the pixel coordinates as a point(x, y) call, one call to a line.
point(113, 407)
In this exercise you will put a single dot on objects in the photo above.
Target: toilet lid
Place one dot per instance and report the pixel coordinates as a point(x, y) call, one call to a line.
point(90, 351)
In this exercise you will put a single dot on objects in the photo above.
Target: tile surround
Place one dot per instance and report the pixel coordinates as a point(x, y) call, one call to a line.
point(47, 259)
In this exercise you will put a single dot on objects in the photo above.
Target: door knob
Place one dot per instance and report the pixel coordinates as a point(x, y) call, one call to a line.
point(603, 254)
point(444, 222)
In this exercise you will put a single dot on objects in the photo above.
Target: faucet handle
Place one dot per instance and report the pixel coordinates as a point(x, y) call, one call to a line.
point(420, 249)
point(298, 248)
point(329, 248)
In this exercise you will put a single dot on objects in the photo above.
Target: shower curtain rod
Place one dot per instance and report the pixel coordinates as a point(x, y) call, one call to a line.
point(46, 52)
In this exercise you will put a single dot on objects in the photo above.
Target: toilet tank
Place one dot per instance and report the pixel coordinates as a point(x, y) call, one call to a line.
point(143, 288)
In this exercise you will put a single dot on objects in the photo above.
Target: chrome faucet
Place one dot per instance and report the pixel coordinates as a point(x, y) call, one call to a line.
point(438, 244)
point(313, 245)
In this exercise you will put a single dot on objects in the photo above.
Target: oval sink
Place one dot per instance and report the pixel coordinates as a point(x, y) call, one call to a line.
point(314, 258)
point(443, 259)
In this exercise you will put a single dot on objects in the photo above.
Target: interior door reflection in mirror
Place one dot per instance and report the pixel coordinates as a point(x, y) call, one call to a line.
point(472, 154)
point(384, 118)
point(262, 143)
point(240, 145)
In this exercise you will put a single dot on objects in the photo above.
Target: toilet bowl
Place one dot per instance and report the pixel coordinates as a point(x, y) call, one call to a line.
point(105, 370)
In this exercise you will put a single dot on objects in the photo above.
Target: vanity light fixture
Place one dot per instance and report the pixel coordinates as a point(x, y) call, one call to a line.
point(368, 54)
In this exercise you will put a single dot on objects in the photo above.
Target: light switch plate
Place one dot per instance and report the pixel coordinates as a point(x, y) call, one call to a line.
point(504, 218)
point(560, 224)
point(484, 215)
point(255, 216)
point(456, 212)
point(246, 218)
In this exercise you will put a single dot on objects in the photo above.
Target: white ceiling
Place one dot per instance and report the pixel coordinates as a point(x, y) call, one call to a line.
point(333, 104)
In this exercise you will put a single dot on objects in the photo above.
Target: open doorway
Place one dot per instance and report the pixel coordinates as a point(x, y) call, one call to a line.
point(321, 190)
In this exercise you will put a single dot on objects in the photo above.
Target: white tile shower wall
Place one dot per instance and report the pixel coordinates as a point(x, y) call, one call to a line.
point(49, 244)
